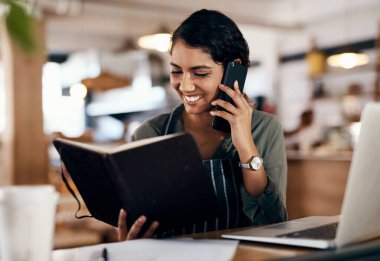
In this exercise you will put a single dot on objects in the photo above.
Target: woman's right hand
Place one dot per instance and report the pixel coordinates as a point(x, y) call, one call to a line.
point(128, 234)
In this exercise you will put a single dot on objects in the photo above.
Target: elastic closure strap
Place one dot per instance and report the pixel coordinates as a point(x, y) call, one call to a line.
point(74, 195)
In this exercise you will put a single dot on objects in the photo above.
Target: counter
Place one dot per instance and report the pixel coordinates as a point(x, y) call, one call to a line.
point(316, 183)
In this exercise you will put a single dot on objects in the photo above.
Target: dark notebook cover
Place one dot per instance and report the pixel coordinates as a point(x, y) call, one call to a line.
point(162, 178)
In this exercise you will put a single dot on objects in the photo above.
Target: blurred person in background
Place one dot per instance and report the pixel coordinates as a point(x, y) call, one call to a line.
point(306, 135)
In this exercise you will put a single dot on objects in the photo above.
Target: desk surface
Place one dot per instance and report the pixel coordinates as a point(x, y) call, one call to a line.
point(369, 250)
point(258, 251)
point(245, 250)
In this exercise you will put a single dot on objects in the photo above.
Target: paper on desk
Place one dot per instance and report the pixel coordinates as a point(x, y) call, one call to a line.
point(154, 250)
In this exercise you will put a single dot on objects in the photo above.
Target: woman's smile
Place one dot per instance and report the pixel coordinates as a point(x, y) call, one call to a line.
point(192, 99)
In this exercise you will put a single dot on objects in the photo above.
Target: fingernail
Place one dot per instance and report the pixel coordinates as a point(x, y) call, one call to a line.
point(142, 219)
point(156, 224)
point(212, 113)
point(236, 84)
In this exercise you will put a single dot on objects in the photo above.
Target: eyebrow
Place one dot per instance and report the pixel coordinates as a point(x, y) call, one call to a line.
point(192, 68)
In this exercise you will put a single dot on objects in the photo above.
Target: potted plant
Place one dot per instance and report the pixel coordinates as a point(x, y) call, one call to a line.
point(19, 23)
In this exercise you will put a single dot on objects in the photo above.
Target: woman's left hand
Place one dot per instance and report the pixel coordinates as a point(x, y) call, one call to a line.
point(239, 116)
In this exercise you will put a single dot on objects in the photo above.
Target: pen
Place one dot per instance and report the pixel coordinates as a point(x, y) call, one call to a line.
point(104, 255)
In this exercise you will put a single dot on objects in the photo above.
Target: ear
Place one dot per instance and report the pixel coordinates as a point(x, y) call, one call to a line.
point(238, 60)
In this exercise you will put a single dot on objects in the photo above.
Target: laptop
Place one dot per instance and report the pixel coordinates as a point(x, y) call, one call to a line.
point(360, 216)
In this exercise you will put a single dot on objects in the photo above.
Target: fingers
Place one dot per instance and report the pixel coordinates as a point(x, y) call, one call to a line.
point(225, 105)
point(149, 233)
point(136, 228)
point(122, 225)
point(240, 100)
point(236, 87)
point(134, 231)
point(242, 110)
point(223, 114)
point(233, 93)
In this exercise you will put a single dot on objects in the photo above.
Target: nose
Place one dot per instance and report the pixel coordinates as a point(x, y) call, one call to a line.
point(186, 84)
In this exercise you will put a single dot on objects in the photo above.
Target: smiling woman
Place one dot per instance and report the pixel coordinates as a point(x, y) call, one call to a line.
point(247, 193)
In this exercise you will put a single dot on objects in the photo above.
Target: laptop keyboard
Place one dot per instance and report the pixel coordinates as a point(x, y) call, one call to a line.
point(322, 232)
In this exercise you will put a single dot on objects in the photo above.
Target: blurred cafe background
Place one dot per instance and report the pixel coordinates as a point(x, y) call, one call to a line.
point(96, 69)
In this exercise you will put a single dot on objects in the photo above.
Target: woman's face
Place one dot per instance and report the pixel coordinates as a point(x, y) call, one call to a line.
point(195, 76)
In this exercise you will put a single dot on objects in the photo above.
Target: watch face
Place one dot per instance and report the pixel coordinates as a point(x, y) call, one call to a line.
point(256, 163)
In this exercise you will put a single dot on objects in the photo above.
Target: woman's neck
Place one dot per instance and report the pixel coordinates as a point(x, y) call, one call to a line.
point(207, 138)
point(201, 125)
point(197, 122)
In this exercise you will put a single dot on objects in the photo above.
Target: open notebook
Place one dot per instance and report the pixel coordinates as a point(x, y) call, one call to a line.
point(359, 220)
point(155, 177)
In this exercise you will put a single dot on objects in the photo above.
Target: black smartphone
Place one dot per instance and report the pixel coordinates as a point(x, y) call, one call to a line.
point(234, 71)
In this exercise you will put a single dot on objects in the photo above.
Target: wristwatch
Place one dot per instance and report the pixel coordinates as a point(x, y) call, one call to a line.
point(255, 163)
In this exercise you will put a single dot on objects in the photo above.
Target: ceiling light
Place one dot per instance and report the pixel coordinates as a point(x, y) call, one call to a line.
point(78, 90)
point(159, 41)
point(347, 57)
point(348, 60)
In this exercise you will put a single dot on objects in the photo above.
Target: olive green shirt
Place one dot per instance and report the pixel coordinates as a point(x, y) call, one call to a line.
point(268, 136)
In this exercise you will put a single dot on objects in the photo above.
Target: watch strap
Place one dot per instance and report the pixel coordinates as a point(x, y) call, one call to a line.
point(244, 165)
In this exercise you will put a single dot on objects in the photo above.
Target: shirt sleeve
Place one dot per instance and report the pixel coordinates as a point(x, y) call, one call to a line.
point(269, 207)
point(149, 128)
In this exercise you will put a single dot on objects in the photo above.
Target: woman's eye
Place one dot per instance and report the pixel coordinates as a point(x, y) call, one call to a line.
point(176, 72)
point(201, 74)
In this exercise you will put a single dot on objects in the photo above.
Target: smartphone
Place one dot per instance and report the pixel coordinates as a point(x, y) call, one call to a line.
point(234, 71)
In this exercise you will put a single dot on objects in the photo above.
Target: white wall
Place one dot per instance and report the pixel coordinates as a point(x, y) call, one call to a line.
point(261, 80)
point(342, 28)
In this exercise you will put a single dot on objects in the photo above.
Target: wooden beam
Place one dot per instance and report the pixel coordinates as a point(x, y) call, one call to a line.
point(25, 159)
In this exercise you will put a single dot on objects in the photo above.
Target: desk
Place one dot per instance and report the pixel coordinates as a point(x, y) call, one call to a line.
point(245, 250)
point(258, 251)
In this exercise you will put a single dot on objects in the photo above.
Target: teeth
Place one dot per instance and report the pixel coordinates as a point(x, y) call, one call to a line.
point(192, 98)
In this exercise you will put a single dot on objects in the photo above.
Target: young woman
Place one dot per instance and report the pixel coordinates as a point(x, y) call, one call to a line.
point(250, 194)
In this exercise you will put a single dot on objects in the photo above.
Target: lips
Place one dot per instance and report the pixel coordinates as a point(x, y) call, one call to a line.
point(192, 98)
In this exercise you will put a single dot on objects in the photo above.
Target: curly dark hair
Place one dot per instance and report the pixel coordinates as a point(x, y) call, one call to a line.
point(216, 34)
